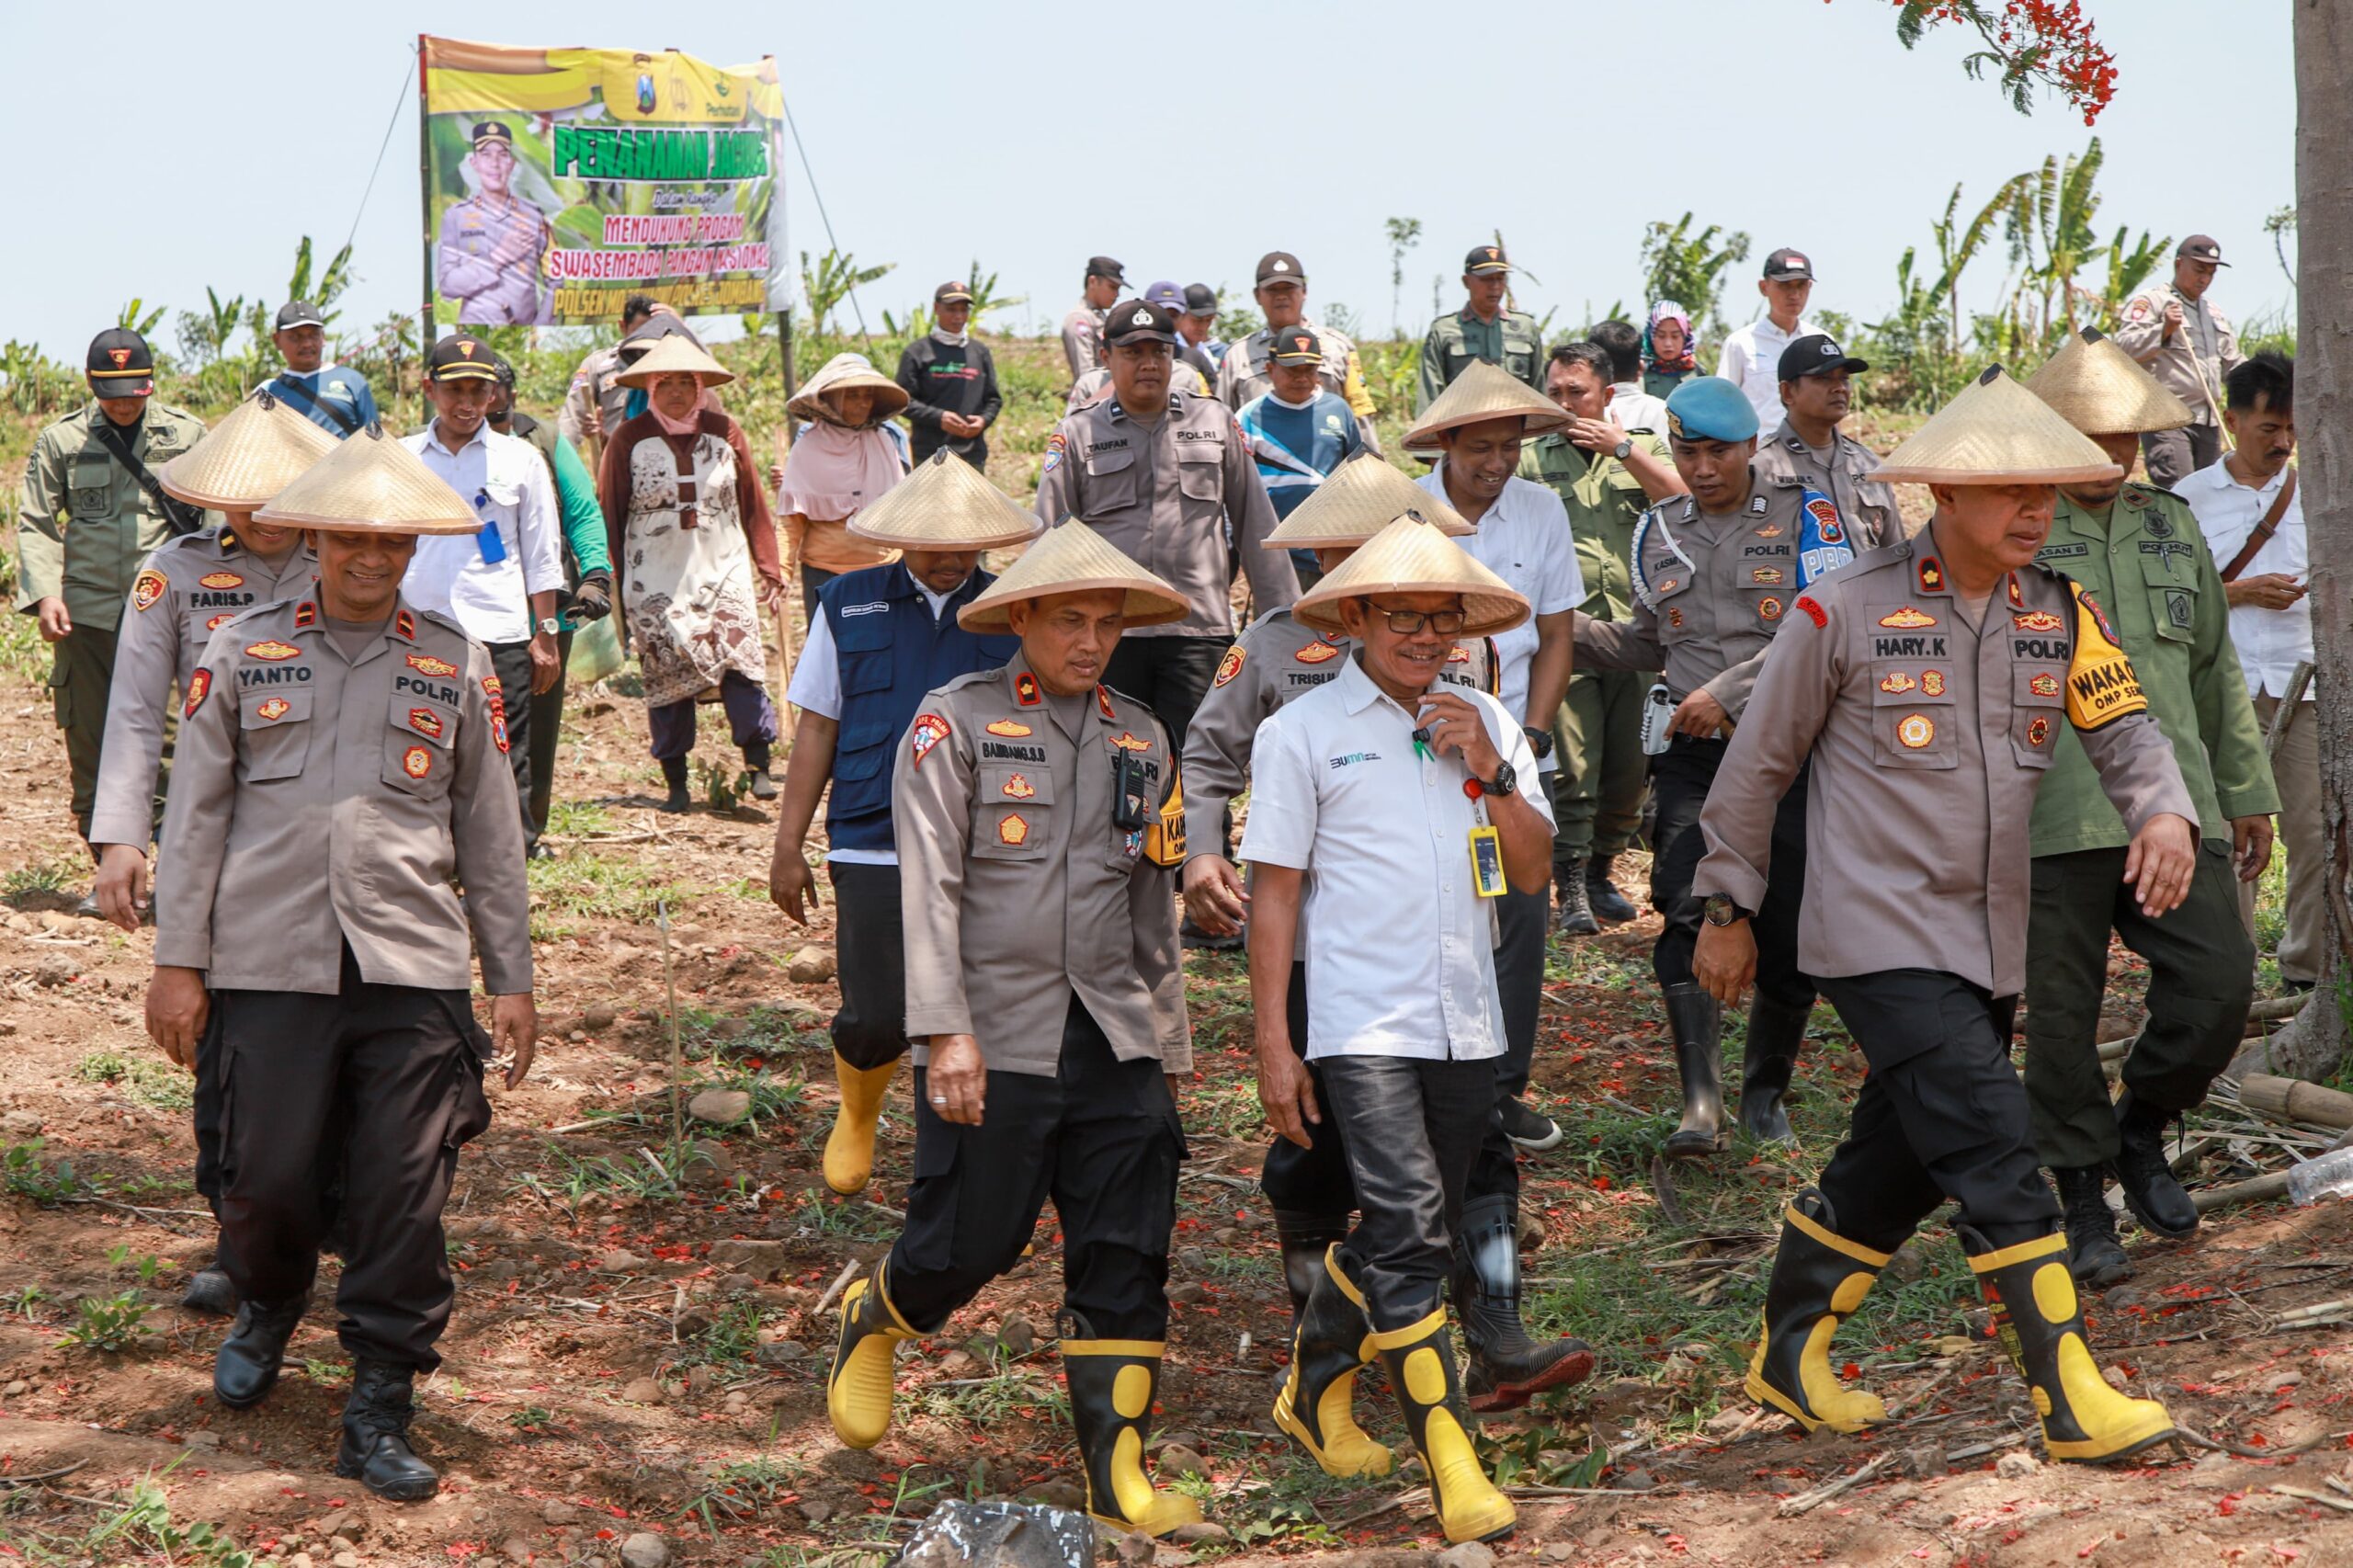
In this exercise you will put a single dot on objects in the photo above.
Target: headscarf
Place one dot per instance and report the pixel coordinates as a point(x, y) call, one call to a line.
point(1667, 310)
point(835, 469)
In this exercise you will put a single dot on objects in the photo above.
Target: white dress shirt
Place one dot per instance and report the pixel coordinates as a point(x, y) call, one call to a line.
point(1634, 409)
point(1524, 538)
point(2271, 643)
point(504, 480)
point(1752, 362)
point(1400, 950)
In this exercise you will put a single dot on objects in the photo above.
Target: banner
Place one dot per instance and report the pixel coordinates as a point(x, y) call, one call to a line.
point(558, 182)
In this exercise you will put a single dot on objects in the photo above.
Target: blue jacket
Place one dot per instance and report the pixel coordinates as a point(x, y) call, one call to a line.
point(890, 652)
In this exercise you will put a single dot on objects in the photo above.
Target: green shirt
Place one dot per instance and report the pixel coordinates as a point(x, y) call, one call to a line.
point(1605, 502)
point(1455, 342)
point(2147, 564)
point(84, 524)
point(1662, 383)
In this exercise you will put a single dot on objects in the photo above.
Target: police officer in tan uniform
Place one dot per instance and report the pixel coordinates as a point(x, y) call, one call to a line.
point(1929, 682)
point(1809, 453)
point(1281, 291)
point(492, 242)
point(341, 776)
point(2175, 333)
point(1082, 330)
point(1039, 824)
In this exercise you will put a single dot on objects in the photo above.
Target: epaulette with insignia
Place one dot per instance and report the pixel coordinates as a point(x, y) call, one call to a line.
point(404, 625)
point(306, 615)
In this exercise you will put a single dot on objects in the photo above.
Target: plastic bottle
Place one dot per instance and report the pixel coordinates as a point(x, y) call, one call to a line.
point(2331, 1175)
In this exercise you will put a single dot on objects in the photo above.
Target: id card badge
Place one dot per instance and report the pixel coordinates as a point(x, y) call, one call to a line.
point(1487, 862)
point(492, 544)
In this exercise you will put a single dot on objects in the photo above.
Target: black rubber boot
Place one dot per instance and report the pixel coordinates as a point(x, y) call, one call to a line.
point(1576, 914)
point(673, 773)
point(245, 1366)
point(2142, 1170)
point(1508, 1367)
point(1601, 895)
point(1305, 1239)
point(1819, 1278)
point(1331, 1343)
point(756, 757)
point(375, 1450)
point(1775, 1034)
point(1696, 1019)
point(1112, 1383)
point(2094, 1255)
point(209, 1291)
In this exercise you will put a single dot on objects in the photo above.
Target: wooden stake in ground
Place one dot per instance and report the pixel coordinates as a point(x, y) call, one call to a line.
point(677, 1051)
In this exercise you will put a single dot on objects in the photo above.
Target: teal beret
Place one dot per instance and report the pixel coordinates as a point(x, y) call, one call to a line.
point(1710, 408)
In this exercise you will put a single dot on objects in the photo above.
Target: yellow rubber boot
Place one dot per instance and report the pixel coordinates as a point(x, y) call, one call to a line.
point(858, 1390)
point(2040, 1323)
point(1317, 1402)
point(1112, 1383)
point(850, 1147)
point(1420, 1360)
point(1819, 1278)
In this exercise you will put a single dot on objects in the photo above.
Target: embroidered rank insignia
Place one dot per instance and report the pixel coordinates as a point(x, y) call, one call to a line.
point(1932, 682)
point(425, 722)
point(1675, 618)
point(1915, 730)
point(495, 688)
point(1907, 618)
point(1229, 666)
point(416, 762)
point(929, 729)
point(2037, 621)
point(1103, 701)
point(1667, 585)
point(275, 709)
point(2044, 685)
point(2037, 731)
point(1019, 789)
point(1025, 690)
point(1932, 576)
point(1126, 741)
point(306, 615)
point(1771, 531)
point(2017, 599)
point(406, 625)
point(218, 621)
point(1316, 653)
point(1814, 612)
point(2101, 687)
point(145, 589)
point(2159, 526)
point(221, 580)
point(428, 665)
point(1769, 609)
point(1010, 728)
point(198, 686)
point(1013, 828)
point(1897, 683)
point(1765, 576)
point(273, 650)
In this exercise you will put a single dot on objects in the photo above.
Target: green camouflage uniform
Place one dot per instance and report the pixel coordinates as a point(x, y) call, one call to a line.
point(1511, 340)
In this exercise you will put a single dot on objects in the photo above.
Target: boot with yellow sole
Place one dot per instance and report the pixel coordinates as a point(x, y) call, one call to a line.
point(1112, 1383)
point(850, 1147)
point(858, 1389)
point(1420, 1362)
point(1316, 1405)
point(1819, 1278)
point(2040, 1324)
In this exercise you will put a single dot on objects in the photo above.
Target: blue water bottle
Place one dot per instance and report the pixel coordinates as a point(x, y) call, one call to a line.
point(492, 543)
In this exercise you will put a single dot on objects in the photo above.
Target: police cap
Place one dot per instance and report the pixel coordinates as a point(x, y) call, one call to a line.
point(121, 364)
point(1138, 321)
point(462, 357)
point(1280, 266)
point(1710, 408)
point(1486, 259)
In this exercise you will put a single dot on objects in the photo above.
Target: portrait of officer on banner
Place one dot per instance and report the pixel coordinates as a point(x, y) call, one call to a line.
point(494, 242)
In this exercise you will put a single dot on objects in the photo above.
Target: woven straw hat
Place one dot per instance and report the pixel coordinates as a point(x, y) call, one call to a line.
point(257, 450)
point(1485, 392)
point(1072, 558)
point(1996, 432)
point(2101, 390)
point(945, 504)
point(1412, 557)
point(845, 372)
point(1362, 497)
point(371, 485)
point(671, 355)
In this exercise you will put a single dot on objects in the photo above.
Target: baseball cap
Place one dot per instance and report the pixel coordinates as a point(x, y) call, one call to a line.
point(460, 358)
point(1486, 259)
point(1138, 321)
point(1201, 299)
point(1167, 296)
point(951, 292)
point(1816, 354)
point(2202, 248)
point(1281, 266)
point(120, 364)
point(1710, 408)
point(1295, 346)
point(1785, 264)
point(1104, 266)
point(299, 312)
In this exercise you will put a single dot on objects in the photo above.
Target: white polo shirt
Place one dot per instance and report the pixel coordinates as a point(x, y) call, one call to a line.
point(504, 479)
point(1524, 538)
point(1752, 362)
point(1400, 952)
point(1631, 408)
point(2270, 642)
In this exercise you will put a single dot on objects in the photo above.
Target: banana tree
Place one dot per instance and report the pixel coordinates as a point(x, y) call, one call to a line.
point(831, 279)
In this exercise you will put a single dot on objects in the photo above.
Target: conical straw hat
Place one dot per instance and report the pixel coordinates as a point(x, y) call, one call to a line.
point(1362, 497)
point(1412, 557)
point(845, 372)
point(945, 504)
point(2099, 389)
point(371, 483)
point(257, 450)
point(676, 353)
point(1074, 558)
point(1996, 432)
point(1485, 392)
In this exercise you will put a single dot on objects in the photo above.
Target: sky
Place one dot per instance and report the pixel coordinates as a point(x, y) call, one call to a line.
point(1183, 141)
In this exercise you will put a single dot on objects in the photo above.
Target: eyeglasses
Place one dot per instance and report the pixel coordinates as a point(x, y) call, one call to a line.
point(1409, 622)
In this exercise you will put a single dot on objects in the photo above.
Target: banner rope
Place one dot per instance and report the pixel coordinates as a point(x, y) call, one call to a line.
point(390, 127)
point(831, 242)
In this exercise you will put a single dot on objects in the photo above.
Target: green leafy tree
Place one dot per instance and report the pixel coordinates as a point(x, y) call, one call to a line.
point(829, 281)
point(1404, 234)
point(1688, 267)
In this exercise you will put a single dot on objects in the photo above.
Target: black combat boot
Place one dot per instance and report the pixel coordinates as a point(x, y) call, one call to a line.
point(1601, 895)
point(1576, 914)
point(245, 1366)
point(375, 1450)
point(756, 758)
point(1776, 1033)
point(673, 773)
point(2142, 1170)
point(2094, 1255)
point(1508, 1367)
point(1696, 1019)
point(209, 1291)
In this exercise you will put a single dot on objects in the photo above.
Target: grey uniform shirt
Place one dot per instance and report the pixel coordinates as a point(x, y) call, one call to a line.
point(1161, 493)
point(190, 588)
point(1082, 340)
point(1019, 889)
point(1929, 738)
point(1843, 471)
point(2204, 348)
point(317, 802)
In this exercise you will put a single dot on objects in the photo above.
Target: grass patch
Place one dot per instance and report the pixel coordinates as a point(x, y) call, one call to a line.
point(145, 1079)
point(41, 883)
point(578, 819)
point(601, 889)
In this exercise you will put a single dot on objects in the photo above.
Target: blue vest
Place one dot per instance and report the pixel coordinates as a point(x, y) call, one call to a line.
point(890, 652)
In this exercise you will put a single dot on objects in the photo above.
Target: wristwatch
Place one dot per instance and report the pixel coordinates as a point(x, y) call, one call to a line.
point(1505, 782)
point(1623, 450)
point(550, 626)
point(1538, 741)
point(1721, 910)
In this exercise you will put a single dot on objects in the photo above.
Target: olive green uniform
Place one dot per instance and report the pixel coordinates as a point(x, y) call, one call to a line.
point(83, 525)
point(2147, 565)
point(1512, 340)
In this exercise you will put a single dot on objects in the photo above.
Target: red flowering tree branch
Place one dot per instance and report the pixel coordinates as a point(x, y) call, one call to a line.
point(2027, 42)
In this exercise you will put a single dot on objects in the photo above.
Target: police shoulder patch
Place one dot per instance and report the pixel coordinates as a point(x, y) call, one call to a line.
point(199, 685)
point(928, 730)
point(146, 589)
point(1230, 666)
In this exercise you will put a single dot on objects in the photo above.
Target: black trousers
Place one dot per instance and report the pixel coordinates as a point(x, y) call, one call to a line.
point(1412, 1129)
point(393, 1073)
point(511, 661)
point(1683, 774)
point(1100, 1138)
point(2202, 980)
point(1524, 919)
point(2174, 455)
point(1168, 675)
point(545, 730)
point(872, 1027)
point(1942, 1113)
